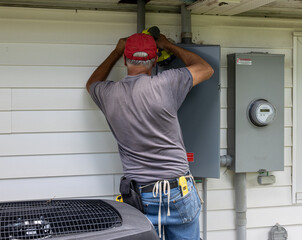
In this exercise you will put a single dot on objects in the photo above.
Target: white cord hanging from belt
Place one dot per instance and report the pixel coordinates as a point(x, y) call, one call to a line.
point(157, 189)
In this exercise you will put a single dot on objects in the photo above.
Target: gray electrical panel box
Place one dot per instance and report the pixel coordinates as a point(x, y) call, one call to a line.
point(256, 111)
point(199, 116)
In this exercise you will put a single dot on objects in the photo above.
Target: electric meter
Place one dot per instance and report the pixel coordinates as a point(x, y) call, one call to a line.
point(261, 112)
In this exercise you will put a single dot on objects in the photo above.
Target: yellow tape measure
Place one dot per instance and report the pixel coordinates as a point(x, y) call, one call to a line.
point(182, 181)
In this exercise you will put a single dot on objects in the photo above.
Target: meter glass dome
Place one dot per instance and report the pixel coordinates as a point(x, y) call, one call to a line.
point(261, 112)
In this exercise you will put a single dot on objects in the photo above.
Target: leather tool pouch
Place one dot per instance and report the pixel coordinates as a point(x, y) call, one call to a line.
point(130, 195)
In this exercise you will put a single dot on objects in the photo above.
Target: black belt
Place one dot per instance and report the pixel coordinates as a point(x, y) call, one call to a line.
point(149, 187)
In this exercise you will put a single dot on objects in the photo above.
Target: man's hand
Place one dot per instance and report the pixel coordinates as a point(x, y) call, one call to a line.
point(162, 42)
point(120, 46)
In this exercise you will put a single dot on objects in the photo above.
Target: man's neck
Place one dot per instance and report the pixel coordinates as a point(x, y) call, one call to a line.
point(134, 70)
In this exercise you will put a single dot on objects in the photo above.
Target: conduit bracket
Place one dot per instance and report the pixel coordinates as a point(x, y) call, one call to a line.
point(264, 178)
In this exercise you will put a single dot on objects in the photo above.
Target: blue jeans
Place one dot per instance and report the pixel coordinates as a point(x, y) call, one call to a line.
point(183, 222)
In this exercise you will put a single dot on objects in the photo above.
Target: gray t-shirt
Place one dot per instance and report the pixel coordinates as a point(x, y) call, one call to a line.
point(142, 113)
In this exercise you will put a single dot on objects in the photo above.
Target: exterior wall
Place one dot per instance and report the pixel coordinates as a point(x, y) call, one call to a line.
point(297, 117)
point(55, 143)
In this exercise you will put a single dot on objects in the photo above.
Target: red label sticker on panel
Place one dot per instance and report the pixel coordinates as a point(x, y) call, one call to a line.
point(244, 61)
point(190, 157)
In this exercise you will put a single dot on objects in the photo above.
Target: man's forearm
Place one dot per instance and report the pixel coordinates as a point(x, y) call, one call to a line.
point(198, 67)
point(189, 58)
point(102, 72)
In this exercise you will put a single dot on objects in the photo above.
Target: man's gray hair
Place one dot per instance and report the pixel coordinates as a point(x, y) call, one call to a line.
point(147, 63)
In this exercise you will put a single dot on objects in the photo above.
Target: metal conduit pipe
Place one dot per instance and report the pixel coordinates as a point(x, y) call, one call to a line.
point(186, 32)
point(240, 200)
point(141, 12)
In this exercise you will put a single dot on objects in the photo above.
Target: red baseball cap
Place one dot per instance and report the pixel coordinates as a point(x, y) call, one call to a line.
point(140, 42)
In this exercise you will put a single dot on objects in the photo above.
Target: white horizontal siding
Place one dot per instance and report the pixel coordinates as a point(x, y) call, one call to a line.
point(66, 16)
point(229, 36)
point(269, 216)
point(223, 98)
point(37, 54)
point(55, 142)
point(257, 217)
point(223, 77)
point(288, 136)
point(224, 182)
point(288, 121)
point(297, 115)
point(51, 76)
point(5, 99)
point(18, 167)
point(288, 78)
point(117, 183)
point(287, 156)
point(58, 187)
point(223, 138)
point(221, 220)
point(269, 197)
point(5, 122)
point(288, 99)
point(294, 233)
point(69, 32)
point(51, 99)
point(58, 121)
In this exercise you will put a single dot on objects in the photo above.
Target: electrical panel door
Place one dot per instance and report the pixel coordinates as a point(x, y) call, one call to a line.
point(199, 116)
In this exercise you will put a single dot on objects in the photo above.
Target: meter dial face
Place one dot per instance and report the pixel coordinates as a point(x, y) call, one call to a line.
point(261, 112)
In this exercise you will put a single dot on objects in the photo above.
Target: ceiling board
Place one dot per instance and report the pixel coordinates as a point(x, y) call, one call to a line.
point(246, 6)
point(257, 8)
point(222, 8)
point(286, 4)
point(216, 7)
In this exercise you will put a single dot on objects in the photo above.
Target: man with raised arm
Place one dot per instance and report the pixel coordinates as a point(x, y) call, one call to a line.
point(141, 111)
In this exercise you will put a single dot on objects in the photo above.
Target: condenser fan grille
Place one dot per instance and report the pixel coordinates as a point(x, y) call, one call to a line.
point(55, 218)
